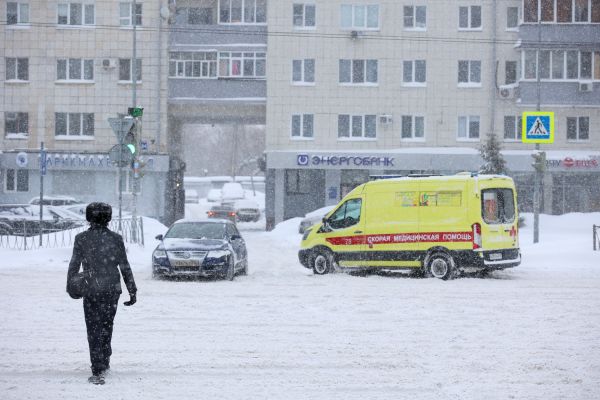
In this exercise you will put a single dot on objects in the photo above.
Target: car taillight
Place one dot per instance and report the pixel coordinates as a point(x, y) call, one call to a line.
point(232, 214)
point(476, 236)
point(210, 213)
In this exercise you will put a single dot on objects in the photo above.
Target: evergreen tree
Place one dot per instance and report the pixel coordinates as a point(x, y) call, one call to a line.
point(493, 163)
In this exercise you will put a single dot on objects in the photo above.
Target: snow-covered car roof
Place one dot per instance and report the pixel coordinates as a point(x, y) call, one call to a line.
point(232, 191)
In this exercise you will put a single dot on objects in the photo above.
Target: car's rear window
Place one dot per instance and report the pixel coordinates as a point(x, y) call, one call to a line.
point(498, 206)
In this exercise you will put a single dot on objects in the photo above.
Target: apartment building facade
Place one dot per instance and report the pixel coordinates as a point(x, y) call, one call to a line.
point(67, 67)
point(399, 87)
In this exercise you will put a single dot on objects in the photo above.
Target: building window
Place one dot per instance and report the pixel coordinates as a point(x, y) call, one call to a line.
point(510, 72)
point(16, 180)
point(512, 18)
point(578, 128)
point(242, 65)
point(243, 11)
point(126, 11)
point(297, 181)
point(360, 17)
point(304, 15)
point(358, 72)
point(415, 17)
point(468, 128)
point(413, 127)
point(193, 64)
point(414, 72)
point(303, 71)
point(17, 13)
point(303, 126)
point(74, 124)
point(17, 69)
point(199, 16)
point(566, 11)
point(561, 65)
point(126, 69)
point(469, 18)
point(513, 128)
point(469, 73)
point(16, 124)
point(77, 14)
point(357, 126)
point(74, 69)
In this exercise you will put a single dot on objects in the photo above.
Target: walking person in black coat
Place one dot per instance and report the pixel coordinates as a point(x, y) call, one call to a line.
point(102, 253)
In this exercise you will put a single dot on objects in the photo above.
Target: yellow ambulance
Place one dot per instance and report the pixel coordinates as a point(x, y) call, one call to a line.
point(439, 225)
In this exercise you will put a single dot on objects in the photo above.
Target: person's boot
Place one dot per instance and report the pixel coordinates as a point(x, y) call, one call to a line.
point(97, 378)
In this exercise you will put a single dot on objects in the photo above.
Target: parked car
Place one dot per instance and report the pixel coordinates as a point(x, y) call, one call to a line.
point(197, 248)
point(191, 196)
point(55, 201)
point(246, 210)
point(313, 217)
point(213, 196)
point(80, 210)
point(222, 211)
point(24, 219)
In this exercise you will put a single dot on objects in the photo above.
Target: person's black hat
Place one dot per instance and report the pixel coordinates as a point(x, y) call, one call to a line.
point(98, 213)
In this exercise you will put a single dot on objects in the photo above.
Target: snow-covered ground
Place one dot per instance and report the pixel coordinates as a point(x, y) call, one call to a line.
point(281, 333)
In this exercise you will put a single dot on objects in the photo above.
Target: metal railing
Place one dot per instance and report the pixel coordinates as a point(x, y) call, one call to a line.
point(596, 236)
point(28, 236)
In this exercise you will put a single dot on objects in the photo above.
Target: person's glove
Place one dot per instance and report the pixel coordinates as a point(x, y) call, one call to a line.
point(132, 300)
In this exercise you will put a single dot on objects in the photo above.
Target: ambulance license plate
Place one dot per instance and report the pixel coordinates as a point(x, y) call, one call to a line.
point(495, 256)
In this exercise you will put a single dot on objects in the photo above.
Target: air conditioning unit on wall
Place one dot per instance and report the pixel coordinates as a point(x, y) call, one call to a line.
point(385, 119)
point(586, 86)
point(507, 92)
point(108, 63)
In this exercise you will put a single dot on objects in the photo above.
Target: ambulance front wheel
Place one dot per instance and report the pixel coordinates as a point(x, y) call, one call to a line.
point(441, 265)
point(322, 262)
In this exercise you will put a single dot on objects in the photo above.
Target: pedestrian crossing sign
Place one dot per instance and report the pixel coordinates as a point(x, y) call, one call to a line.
point(538, 127)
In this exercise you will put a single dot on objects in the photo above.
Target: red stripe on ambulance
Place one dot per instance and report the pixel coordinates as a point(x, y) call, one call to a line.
point(391, 238)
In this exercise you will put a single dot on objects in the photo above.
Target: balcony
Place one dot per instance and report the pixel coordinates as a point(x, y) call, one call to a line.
point(203, 91)
point(559, 93)
point(574, 36)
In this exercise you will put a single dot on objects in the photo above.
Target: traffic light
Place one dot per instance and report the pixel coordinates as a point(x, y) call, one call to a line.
point(131, 140)
point(539, 161)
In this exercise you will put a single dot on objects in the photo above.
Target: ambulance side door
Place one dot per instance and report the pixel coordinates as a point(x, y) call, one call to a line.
point(344, 229)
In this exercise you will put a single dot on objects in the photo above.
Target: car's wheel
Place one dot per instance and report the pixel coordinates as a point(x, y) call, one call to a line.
point(322, 262)
point(230, 273)
point(441, 265)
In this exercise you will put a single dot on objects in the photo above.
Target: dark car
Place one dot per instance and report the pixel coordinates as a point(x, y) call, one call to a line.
point(196, 248)
point(222, 211)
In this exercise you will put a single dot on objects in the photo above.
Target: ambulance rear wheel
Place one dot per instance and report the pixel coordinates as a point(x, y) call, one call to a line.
point(441, 265)
point(322, 263)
